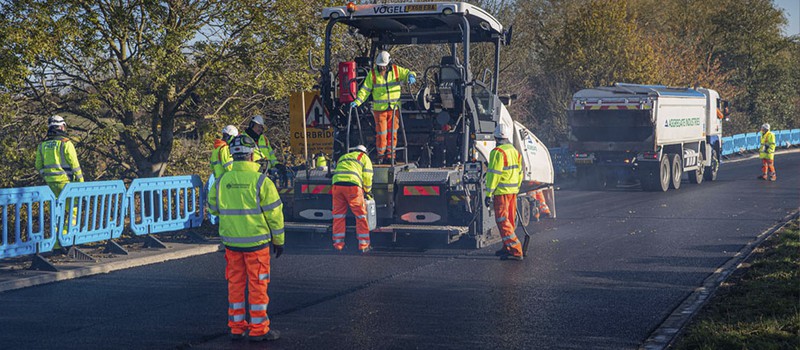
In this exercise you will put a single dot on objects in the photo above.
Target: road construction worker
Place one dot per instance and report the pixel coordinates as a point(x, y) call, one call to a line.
point(767, 154)
point(250, 218)
point(57, 162)
point(538, 195)
point(352, 183)
point(221, 160)
point(321, 162)
point(264, 153)
point(503, 179)
point(383, 82)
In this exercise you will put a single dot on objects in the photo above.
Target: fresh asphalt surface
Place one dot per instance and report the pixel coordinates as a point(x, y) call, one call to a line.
point(603, 275)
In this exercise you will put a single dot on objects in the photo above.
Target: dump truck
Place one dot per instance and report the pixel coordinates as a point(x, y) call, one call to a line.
point(435, 184)
point(650, 134)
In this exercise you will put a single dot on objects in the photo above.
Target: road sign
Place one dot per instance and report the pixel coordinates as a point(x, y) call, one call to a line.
point(316, 115)
point(317, 122)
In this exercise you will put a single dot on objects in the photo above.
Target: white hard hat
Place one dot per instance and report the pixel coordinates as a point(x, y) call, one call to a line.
point(242, 145)
point(230, 130)
point(258, 119)
point(383, 59)
point(502, 131)
point(361, 148)
point(56, 120)
point(765, 126)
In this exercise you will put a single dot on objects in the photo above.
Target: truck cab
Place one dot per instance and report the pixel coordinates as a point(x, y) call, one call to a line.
point(434, 184)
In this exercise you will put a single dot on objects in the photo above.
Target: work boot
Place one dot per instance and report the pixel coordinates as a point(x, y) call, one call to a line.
point(366, 250)
point(773, 178)
point(502, 252)
point(271, 335)
point(511, 257)
point(236, 336)
point(762, 177)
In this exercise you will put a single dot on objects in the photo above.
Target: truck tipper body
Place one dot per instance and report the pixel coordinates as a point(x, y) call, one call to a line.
point(651, 133)
point(435, 184)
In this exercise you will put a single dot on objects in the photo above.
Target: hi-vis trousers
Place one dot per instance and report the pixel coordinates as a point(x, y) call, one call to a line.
point(505, 211)
point(385, 139)
point(248, 270)
point(349, 197)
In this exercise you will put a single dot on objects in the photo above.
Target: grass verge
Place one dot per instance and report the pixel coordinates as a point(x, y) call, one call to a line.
point(758, 307)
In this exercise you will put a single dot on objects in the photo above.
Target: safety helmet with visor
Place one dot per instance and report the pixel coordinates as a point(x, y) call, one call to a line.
point(502, 131)
point(56, 120)
point(242, 145)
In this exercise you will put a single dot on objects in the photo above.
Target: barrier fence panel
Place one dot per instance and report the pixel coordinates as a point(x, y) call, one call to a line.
point(794, 136)
point(27, 224)
point(90, 212)
point(783, 138)
point(213, 219)
point(753, 140)
point(166, 204)
point(727, 146)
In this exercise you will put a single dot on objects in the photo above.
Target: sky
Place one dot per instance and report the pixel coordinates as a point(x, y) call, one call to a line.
point(792, 10)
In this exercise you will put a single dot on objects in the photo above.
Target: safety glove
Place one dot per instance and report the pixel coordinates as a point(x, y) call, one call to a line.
point(368, 195)
point(412, 79)
point(488, 201)
point(278, 250)
point(353, 104)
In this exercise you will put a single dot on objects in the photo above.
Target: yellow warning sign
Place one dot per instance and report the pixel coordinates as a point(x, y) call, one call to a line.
point(317, 121)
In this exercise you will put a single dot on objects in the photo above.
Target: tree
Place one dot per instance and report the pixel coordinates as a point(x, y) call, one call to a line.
point(144, 69)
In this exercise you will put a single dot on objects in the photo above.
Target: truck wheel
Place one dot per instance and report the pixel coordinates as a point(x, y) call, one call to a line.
point(524, 206)
point(655, 177)
point(677, 171)
point(711, 171)
point(696, 176)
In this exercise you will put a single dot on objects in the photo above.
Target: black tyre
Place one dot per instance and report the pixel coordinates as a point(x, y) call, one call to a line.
point(655, 176)
point(696, 176)
point(677, 171)
point(711, 171)
point(524, 206)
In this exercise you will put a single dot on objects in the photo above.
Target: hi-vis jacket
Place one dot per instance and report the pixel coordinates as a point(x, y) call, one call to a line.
point(221, 159)
point(264, 150)
point(57, 161)
point(385, 92)
point(320, 162)
point(355, 168)
point(505, 171)
point(249, 208)
point(767, 146)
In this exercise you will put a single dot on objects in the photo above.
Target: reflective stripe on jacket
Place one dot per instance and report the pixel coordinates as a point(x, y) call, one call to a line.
point(355, 168)
point(504, 174)
point(767, 146)
point(57, 161)
point(385, 91)
point(264, 150)
point(221, 159)
point(249, 207)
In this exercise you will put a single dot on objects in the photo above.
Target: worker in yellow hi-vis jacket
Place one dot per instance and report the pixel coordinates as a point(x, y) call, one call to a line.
point(250, 218)
point(503, 179)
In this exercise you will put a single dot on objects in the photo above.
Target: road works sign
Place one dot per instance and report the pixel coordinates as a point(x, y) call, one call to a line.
point(317, 121)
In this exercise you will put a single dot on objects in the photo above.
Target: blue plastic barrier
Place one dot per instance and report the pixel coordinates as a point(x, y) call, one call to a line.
point(795, 136)
point(728, 146)
point(26, 217)
point(753, 141)
point(96, 210)
point(739, 142)
point(166, 204)
point(783, 138)
point(213, 219)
